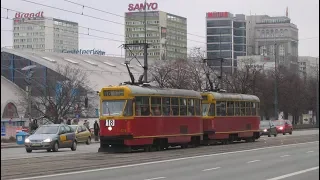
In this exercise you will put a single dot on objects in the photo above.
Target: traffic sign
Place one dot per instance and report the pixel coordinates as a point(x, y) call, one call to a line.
point(3, 131)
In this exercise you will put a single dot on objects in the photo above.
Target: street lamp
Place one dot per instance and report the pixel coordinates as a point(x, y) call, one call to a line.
point(28, 81)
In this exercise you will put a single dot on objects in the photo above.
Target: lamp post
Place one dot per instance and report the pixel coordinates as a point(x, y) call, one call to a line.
point(28, 81)
point(275, 84)
point(317, 69)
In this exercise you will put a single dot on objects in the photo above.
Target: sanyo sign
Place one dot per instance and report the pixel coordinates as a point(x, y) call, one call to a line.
point(142, 6)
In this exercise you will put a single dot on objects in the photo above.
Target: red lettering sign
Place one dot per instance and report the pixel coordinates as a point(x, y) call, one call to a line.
point(28, 15)
point(140, 6)
point(217, 14)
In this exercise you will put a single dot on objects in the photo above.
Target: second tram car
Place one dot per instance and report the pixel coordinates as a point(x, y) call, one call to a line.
point(230, 117)
point(139, 117)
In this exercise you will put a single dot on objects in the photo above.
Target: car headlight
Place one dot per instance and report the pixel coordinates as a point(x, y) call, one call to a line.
point(47, 140)
point(27, 140)
point(265, 130)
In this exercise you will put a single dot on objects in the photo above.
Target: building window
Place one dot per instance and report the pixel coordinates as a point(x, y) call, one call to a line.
point(281, 50)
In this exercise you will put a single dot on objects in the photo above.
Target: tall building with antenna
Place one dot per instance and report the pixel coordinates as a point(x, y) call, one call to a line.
point(273, 37)
point(226, 38)
point(166, 33)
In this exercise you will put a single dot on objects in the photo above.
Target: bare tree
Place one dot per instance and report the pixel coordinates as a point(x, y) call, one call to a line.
point(64, 95)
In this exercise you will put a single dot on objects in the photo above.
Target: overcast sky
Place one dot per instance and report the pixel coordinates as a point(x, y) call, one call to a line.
point(303, 13)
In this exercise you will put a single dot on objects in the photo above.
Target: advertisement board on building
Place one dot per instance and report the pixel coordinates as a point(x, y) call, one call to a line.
point(82, 51)
point(20, 15)
point(143, 6)
point(217, 15)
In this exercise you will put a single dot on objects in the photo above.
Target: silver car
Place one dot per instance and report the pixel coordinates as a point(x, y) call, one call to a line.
point(51, 137)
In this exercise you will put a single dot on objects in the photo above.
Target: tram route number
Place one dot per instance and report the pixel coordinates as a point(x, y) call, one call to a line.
point(110, 122)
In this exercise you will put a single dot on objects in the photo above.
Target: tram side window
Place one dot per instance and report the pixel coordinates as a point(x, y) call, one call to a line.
point(175, 106)
point(166, 106)
point(142, 106)
point(253, 108)
point(212, 110)
point(258, 108)
point(242, 109)
point(128, 111)
point(197, 107)
point(191, 111)
point(230, 110)
point(156, 106)
point(221, 108)
point(248, 108)
point(237, 108)
point(183, 107)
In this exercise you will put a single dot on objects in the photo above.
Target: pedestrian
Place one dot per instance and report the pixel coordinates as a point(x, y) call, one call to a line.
point(86, 124)
point(96, 129)
point(69, 121)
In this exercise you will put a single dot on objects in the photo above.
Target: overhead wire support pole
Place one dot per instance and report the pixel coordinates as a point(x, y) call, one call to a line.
point(145, 67)
point(276, 114)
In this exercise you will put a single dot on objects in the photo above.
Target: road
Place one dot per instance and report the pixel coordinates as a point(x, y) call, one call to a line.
point(298, 161)
point(31, 167)
point(18, 153)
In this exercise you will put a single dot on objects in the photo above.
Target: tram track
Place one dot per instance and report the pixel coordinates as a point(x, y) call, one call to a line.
point(60, 164)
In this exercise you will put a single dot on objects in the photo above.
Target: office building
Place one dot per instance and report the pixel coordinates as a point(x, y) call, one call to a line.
point(34, 31)
point(308, 66)
point(226, 38)
point(166, 35)
point(275, 37)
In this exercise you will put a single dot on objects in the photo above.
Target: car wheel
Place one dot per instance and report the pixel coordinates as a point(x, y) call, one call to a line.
point(55, 147)
point(48, 150)
point(290, 132)
point(284, 133)
point(88, 141)
point(29, 150)
point(74, 146)
point(275, 135)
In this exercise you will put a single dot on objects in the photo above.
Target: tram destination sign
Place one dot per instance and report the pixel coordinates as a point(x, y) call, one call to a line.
point(113, 92)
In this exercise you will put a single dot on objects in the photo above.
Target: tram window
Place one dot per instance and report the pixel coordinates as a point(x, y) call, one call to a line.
point(142, 106)
point(128, 111)
point(183, 107)
point(248, 108)
point(254, 110)
point(166, 106)
point(191, 111)
point(212, 110)
point(175, 106)
point(258, 108)
point(230, 110)
point(221, 108)
point(242, 109)
point(197, 104)
point(156, 106)
point(236, 109)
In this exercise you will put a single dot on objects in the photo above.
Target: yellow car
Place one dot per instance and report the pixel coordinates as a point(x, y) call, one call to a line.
point(82, 133)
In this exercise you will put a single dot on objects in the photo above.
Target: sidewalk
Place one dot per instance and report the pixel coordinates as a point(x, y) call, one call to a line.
point(15, 145)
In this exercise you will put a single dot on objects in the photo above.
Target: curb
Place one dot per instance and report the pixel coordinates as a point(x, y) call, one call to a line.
point(22, 146)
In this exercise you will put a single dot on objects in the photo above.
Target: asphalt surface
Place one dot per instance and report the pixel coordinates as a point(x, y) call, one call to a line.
point(31, 167)
point(18, 153)
point(270, 163)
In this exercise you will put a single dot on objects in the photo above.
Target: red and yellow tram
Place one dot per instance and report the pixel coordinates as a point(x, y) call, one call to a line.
point(144, 117)
point(230, 117)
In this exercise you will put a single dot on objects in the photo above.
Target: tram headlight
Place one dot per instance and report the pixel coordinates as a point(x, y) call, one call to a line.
point(265, 130)
point(110, 128)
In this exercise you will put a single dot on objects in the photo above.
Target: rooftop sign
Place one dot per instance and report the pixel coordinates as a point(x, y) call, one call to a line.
point(141, 6)
point(217, 14)
point(81, 51)
point(275, 21)
point(29, 15)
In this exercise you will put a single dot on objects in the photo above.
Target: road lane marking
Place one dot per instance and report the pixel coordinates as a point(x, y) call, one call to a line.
point(211, 169)
point(285, 155)
point(158, 162)
point(295, 173)
point(310, 152)
point(156, 178)
point(253, 161)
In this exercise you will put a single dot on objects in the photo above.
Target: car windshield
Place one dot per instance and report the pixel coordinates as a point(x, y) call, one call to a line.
point(205, 109)
point(73, 127)
point(264, 123)
point(113, 108)
point(47, 130)
point(278, 123)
